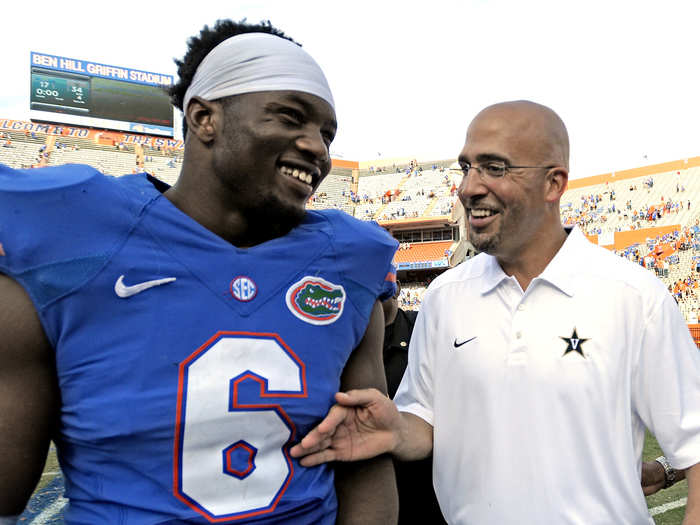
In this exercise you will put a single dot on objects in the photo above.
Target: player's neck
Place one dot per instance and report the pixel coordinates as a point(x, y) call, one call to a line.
point(228, 223)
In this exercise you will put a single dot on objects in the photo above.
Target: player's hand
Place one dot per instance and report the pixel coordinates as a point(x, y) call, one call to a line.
point(363, 424)
point(653, 477)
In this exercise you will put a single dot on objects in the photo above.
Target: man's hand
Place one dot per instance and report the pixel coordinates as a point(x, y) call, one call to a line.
point(363, 424)
point(653, 477)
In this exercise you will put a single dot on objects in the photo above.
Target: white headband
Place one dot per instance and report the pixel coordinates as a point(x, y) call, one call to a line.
point(254, 62)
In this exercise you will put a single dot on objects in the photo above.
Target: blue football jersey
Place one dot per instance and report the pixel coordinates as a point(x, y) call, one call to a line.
point(187, 367)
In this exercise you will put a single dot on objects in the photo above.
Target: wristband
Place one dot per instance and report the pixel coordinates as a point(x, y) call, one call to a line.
point(669, 471)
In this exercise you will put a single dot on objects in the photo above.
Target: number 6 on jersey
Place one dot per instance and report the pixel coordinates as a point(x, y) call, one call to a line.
point(231, 459)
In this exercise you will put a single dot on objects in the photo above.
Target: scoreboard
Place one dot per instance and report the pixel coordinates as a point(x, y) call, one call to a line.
point(70, 91)
point(51, 91)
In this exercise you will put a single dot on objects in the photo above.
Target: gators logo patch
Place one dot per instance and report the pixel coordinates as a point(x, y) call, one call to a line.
point(315, 300)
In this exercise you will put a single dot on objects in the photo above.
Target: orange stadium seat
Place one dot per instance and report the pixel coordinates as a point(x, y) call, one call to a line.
point(425, 251)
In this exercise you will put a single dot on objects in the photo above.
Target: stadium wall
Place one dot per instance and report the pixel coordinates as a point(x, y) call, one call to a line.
point(628, 238)
point(653, 169)
point(340, 163)
point(104, 137)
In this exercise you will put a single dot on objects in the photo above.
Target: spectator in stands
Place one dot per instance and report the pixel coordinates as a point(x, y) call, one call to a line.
point(414, 479)
point(157, 303)
point(535, 366)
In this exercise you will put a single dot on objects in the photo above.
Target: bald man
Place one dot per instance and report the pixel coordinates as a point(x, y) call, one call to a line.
point(535, 366)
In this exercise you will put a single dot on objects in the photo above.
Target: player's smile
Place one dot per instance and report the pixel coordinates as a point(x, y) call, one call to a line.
point(300, 173)
point(304, 178)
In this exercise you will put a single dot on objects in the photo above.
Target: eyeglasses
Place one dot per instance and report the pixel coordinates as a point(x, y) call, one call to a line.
point(491, 169)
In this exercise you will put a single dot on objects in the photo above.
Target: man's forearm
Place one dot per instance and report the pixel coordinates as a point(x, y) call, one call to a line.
point(692, 509)
point(415, 438)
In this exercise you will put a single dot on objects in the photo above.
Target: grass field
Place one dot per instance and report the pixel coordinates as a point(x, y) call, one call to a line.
point(50, 469)
point(673, 516)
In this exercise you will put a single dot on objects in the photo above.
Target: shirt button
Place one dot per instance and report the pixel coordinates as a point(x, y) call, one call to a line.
point(518, 335)
point(521, 307)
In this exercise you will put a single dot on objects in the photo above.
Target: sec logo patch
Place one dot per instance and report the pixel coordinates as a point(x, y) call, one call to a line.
point(244, 288)
point(315, 300)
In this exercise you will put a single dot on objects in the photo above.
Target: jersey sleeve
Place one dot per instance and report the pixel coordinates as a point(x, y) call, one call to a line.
point(666, 385)
point(389, 284)
point(365, 254)
point(59, 226)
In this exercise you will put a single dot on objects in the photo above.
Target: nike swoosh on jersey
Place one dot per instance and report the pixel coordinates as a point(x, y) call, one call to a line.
point(457, 345)
point(124, 291)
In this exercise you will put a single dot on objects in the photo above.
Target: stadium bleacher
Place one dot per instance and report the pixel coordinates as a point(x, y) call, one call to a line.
point(411, 295)
point(423, 251)
point(33, 149)
point(617, 202)
point(334, 192)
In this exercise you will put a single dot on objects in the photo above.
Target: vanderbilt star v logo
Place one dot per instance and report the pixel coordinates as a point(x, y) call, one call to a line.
point(573, 343)
point(124, 291)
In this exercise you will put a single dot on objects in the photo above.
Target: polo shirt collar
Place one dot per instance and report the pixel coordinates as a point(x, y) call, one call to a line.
point(560, 272)
point(493, 275)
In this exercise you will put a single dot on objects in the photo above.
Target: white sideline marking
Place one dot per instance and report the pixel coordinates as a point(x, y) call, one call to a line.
point(668, 506)
point(50, 511)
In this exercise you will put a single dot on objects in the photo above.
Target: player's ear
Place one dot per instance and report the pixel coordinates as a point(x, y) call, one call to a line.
point(203, 118)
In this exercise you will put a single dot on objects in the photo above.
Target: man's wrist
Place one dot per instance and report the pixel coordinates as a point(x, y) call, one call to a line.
point(670, 474)
point(413, 439)
point(400, 436)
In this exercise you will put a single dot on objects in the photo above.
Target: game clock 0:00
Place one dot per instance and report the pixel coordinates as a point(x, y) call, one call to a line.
point(60, 92)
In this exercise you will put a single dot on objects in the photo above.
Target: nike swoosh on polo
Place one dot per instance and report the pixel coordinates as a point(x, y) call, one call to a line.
point(457, 345)
point(124, 291)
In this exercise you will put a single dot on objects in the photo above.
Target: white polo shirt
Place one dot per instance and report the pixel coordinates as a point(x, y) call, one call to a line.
point(539, 399)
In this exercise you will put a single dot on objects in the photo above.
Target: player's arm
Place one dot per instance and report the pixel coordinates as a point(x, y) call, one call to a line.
point(28, 397)
point(692, 508)
point(367, 489)
point(654, 477)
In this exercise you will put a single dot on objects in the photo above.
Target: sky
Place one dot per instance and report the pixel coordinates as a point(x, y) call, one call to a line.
point(408, 76)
